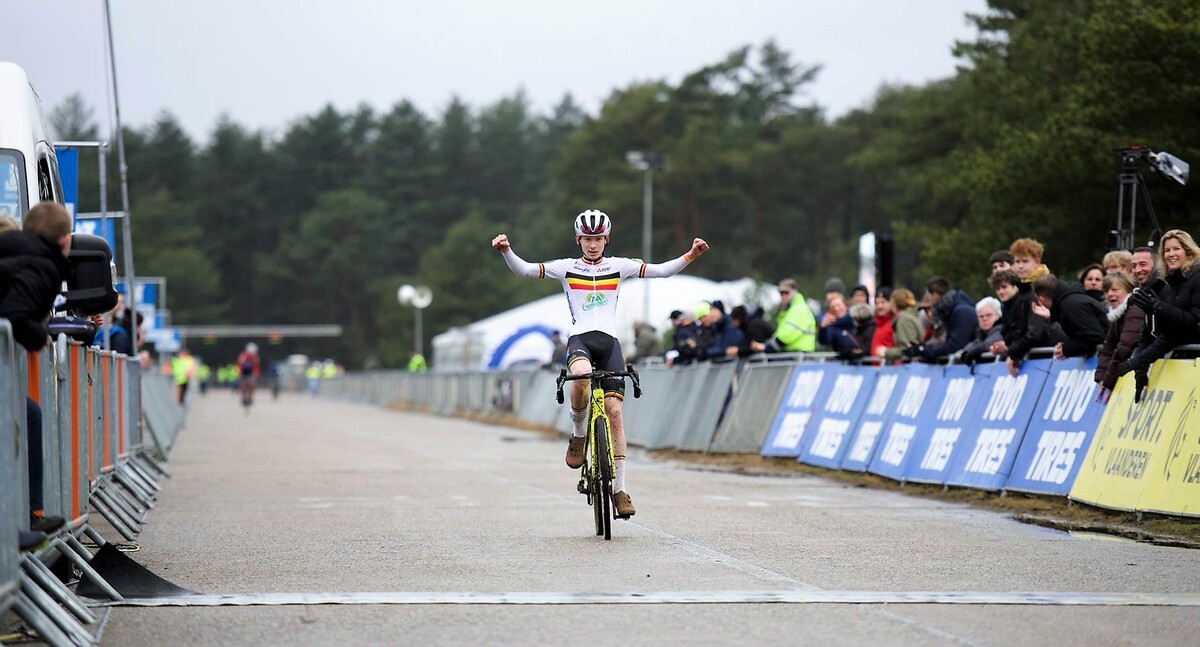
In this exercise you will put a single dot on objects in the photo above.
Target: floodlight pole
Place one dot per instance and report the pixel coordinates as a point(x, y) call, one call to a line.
point(647, 163)
point(126, 234)
point(419, 343)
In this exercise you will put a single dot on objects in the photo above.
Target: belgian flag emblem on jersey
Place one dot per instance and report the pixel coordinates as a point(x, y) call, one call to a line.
point(592, 283)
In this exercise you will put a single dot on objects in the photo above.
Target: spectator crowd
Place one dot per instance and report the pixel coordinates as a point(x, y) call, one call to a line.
point(1131, 308)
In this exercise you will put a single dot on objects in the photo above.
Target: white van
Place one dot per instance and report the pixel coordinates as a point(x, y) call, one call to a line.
point(28, 165)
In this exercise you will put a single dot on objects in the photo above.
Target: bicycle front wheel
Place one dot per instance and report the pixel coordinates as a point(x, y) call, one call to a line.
point(598, 509)
point(603, 450)
point(606, 507)
point(604, 476)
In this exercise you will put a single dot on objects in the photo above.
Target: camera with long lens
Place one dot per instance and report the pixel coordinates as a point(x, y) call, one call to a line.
point(1132, 184)
point(90, 288)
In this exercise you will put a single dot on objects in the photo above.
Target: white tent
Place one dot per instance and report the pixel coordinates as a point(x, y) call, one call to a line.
point(522, 334)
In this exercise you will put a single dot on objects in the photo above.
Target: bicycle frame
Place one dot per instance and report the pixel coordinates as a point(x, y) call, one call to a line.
point(596, 475)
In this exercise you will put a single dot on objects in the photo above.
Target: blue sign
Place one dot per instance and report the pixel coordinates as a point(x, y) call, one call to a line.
point(1060, 431)
point(999, 424)
point(947, 426)
point(837, 416)
point(879, 407)
point(144, 293)
point(68, 171)
point(922, 393)
point(809, 385)
point(92, 226)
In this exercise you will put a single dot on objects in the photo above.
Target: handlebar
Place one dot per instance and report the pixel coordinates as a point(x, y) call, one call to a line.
point(600, 374)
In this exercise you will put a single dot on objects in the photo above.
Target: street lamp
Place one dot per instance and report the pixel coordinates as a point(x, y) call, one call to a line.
point(647, 162)
point(419, 297)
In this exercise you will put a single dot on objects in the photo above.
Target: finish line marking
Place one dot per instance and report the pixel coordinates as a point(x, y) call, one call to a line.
point(673, 597)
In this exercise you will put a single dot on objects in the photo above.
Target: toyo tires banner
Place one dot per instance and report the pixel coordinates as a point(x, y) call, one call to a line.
point(985, 459)
point(870, 424)
point(920, 394)
point(837, 416)
point(1063, 423)
point(946, 427)
point(809, 385)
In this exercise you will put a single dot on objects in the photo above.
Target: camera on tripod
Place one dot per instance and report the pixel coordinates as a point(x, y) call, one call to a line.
point(1130, 178)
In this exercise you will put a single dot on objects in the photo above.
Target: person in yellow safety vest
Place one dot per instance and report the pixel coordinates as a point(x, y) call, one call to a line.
point(416, 363)
point(313, 375)
point(203, 374)
point(328, 370)
point(183, 368)
point(795, 324)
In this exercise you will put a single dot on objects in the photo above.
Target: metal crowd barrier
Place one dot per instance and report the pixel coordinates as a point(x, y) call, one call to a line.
point(94, 459)
point(723, 406)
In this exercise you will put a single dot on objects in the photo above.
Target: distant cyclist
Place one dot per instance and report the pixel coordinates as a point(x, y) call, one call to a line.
point(249, 368)
point(592, 284)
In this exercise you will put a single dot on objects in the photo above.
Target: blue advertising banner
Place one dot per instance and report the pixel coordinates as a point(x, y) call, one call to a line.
point(92, 226)
point(68, 170)
point(922, 393)
point(810, 384)
point(837, 415)
point(1000, 421)
point(1060, 431)
point(144, 293)
point(946, 426)
point(870, 424)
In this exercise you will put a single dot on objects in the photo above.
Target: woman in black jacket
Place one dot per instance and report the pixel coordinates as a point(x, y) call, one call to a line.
point(1172, 307)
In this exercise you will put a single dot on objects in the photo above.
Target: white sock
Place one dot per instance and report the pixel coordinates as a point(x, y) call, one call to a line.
point(579, 419)
point(619, 480)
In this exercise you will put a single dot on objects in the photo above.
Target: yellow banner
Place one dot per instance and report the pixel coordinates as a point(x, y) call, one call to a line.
point(1173, 486)
point(1146, 456)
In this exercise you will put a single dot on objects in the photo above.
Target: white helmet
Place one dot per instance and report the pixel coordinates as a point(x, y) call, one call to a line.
point(593, 222)
point(252, 348)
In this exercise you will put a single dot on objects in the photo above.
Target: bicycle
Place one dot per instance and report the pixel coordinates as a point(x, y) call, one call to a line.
point(596, 475)
point(247, 391)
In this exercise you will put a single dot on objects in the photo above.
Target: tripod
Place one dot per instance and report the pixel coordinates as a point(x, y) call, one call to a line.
point(1130, 185)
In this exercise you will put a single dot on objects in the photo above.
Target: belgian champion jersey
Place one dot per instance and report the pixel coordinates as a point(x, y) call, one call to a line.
point(592, 287)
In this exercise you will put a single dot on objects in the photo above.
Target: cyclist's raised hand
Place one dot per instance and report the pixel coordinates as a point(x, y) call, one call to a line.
point(698, 248)
point(501, 243)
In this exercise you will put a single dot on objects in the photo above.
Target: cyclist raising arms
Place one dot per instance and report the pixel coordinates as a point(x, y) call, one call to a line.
point(592, 284)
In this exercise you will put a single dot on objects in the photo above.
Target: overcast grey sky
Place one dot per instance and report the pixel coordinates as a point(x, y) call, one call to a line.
point(269, 62)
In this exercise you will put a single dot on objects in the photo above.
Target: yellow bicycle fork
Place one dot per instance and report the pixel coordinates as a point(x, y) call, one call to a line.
point(592, 469)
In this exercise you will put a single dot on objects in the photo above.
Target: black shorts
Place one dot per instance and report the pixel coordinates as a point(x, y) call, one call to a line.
point(604, 352)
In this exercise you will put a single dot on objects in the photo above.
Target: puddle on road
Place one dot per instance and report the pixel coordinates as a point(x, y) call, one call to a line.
point(1098, 536)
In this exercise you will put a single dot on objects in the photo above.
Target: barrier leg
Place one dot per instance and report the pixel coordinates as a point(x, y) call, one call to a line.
point(57, 590)
point(111, 517)
point(88, 572)
point(154, 464)
point(117, 501)
point(33, 616)
point(144, 473)
point(55, 613)
point(93, 535)
point(132, 481)
point(142, 499)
